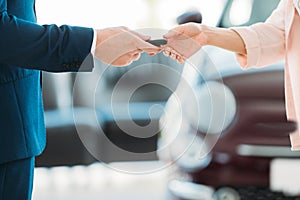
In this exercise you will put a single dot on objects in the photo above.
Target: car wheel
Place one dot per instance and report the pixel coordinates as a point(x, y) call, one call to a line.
point(226, 193)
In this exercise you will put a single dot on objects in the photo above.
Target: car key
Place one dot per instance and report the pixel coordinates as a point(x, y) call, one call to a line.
point(157, 42)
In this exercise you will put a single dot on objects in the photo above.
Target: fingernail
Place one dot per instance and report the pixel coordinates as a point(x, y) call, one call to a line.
point(168, 49)
point(166, 35)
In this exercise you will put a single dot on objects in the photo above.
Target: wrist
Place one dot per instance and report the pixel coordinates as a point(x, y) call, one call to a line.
point(98, 41)
point(209, 33)
point(224, 38)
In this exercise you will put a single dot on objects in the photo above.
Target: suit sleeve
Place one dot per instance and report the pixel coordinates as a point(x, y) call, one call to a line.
point(265, 42)
point(48, 47)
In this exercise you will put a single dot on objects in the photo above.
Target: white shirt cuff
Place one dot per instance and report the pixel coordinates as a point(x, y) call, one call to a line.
point(93, 47)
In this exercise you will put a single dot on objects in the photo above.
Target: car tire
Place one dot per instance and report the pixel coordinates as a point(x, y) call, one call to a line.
point(226, 193)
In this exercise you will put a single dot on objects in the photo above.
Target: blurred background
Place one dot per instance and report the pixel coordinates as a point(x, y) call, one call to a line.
point(135, 14)
point(80, 162)
point(66, 156)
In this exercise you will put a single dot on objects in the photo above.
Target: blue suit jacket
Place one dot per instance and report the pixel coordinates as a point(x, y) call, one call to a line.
point(26, 48)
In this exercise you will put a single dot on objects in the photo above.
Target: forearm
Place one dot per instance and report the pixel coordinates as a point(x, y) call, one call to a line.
point(49, 47)
point(224, 38)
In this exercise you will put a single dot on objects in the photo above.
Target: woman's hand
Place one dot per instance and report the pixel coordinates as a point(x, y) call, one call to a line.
point(184, 41)
point(187, 39)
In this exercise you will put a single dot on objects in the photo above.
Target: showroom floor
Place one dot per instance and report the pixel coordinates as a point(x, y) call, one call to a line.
point(133, 181)
point(99, 182)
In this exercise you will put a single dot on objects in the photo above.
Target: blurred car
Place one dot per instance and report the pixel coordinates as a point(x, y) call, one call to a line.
point(223, 126)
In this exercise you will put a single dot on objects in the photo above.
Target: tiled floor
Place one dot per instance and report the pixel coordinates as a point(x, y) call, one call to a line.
point(98, 182)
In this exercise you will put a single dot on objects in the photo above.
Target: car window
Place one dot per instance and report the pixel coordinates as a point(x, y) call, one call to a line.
point(247, 12)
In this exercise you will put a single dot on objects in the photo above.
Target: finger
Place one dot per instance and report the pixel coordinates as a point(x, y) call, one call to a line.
point(152, 54)
point(152, 51)
point(146, 47)
point(179, 57)
point(137, 51)
point(167, 51)
point(141, 44)
point(174, 32)
point(180, 60)
point(143, 37)
point(136, 56)
point(138, 42)
point(123, 60)
point(173, 56)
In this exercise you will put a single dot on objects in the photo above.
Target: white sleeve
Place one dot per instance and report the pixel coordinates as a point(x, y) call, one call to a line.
point(265, 42)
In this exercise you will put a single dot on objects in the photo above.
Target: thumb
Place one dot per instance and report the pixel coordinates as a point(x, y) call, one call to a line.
point(173, 32)
point(143, 37)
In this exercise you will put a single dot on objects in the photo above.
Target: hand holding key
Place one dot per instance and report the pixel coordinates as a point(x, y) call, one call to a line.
point(184, 41)
point(120, 46)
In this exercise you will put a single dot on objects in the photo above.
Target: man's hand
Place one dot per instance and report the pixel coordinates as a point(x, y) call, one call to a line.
point(184, 41)
point(120, 46)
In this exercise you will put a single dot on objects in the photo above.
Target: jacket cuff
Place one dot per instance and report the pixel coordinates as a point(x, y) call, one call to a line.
point(295, 141)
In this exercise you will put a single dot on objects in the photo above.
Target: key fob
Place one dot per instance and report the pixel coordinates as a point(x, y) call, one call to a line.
point(157, 42)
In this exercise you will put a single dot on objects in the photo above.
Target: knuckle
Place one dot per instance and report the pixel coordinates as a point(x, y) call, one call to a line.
point(124, 28)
